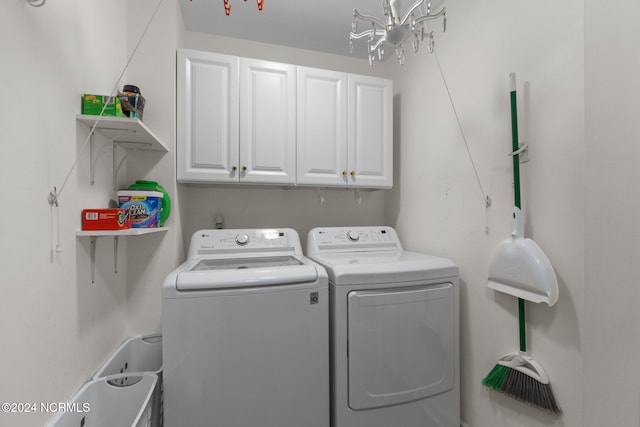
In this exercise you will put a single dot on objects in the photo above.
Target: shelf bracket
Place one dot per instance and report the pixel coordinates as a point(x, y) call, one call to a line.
point(115, 254)
point(95, 154)
point(92, 252)
point(117, 165)
point(92, 158)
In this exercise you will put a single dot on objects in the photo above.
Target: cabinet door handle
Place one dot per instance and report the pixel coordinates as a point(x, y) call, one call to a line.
point(234, 168)
point(353, 173)
point(344, 173)
point(244, 168)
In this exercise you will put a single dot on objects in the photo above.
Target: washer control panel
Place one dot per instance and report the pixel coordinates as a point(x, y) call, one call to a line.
point(244, 240)
point(337, 239)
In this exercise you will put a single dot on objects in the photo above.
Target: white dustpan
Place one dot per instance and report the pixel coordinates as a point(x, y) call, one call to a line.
point(520, 268)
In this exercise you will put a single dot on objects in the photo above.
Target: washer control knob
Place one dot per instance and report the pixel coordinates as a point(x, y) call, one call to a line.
point(242, 239)
point(353, 236)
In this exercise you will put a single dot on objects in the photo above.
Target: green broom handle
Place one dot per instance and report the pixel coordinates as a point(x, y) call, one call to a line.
point(515, 145)
point(521, 322)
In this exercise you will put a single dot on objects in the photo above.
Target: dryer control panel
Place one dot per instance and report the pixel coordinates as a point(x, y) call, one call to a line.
point(348, 239)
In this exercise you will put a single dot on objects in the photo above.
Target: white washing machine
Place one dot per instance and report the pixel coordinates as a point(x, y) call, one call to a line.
point(245, 333)
point(394, 330)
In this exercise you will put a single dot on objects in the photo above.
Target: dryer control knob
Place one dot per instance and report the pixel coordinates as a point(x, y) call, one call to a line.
point(353, 236)
point(242, 239)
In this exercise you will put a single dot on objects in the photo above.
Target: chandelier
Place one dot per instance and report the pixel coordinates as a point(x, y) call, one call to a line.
point(396, 30)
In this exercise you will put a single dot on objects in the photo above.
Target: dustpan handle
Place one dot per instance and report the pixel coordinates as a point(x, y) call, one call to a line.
point(515, 145)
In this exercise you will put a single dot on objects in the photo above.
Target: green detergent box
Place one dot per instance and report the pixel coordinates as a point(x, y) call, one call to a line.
point(93, 105)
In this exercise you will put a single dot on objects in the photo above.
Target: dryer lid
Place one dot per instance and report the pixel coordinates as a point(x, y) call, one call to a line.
point(353, 268)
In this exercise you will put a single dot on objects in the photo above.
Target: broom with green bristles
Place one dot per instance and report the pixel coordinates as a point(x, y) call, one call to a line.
point(516, 374)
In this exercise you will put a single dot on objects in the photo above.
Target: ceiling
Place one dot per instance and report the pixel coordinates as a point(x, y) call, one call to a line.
point(320, 25)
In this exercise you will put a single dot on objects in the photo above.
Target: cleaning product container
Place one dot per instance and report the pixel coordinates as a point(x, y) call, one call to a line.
point(132, 101)
point(143, 206)
point(141, 354)
point(110, 401)
point(154, 186)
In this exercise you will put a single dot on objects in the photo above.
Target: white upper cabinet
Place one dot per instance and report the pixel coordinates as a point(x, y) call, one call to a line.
point(260, 122)
point(370, 142)
point(322, 127)
point(236, 119)
point(268, 122)
point(345, 129)
point(208, 117)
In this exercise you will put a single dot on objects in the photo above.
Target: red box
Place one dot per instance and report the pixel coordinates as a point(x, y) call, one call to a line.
point(105, 219)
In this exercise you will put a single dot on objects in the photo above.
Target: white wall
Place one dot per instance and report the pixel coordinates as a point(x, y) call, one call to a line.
point(300, 209)
point(611, 341)
point(438, 208)
point(581, 62)
point(57, 326)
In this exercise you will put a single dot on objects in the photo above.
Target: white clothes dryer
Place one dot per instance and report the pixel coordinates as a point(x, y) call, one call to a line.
point(394, 330)
point(245, 327)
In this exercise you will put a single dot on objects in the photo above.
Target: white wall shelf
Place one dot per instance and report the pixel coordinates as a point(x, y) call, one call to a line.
point(94, 234)
point(127, 133)
point(123, 130)
point(114, 233)
point(130, 134)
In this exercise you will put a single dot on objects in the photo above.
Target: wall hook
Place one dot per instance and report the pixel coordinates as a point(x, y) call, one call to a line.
point(36, 3)
point(53, 197)
point(358, 196)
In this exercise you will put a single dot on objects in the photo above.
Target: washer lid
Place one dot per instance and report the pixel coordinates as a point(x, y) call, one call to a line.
point(225, 273)
point(353, 268)
point(245, 263)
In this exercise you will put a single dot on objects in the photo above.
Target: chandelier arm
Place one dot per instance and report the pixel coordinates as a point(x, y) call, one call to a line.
point(442, 12)
point(371, 19)
point(367, 33)
point(377, 44)
point(361, 35)
point(410, 11)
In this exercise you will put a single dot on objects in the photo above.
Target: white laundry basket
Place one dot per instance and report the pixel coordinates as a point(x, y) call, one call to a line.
point(139, 354)
point(110, 401)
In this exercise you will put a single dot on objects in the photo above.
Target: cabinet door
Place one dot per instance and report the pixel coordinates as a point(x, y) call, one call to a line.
point(268, 122)
point(207, 124)
point(322, 127)
point(370, 157)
